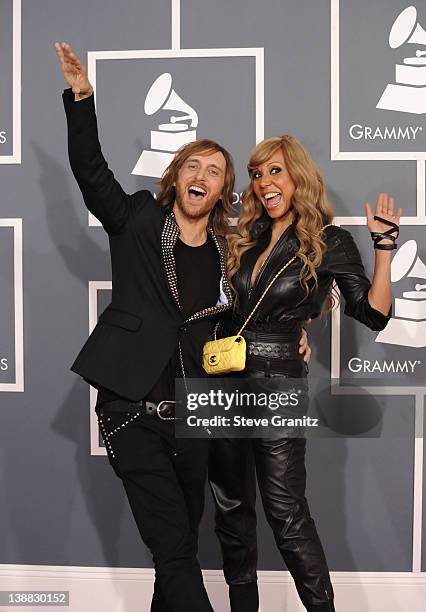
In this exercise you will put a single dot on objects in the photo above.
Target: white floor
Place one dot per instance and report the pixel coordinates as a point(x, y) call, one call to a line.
point(129, 590)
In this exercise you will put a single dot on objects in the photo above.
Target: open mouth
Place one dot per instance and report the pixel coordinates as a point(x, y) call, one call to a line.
point(272, 199)
point(196, 193)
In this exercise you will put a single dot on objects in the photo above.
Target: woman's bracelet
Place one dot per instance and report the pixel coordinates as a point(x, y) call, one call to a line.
point(388, 235)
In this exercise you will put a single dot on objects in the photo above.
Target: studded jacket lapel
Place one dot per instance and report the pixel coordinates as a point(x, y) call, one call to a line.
point(169, 236)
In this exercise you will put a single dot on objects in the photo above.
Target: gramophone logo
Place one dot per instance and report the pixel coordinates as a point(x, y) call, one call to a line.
point(408, 325)
point(408, 93)
point(169, 137)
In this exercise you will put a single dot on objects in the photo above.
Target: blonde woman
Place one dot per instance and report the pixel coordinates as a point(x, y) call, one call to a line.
point(285, 209)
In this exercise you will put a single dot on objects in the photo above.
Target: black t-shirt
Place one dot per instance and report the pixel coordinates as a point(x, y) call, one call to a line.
point(198, 273)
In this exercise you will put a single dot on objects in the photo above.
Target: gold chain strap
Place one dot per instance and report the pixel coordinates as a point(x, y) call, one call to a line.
point(268, 287)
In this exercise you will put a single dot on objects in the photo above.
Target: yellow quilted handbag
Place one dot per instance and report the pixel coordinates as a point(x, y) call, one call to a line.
point(224, 355)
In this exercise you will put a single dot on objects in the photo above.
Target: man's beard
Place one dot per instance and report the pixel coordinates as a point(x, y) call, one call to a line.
point(191, 211)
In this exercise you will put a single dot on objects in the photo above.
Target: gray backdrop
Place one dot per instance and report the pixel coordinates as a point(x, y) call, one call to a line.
point(61, 504)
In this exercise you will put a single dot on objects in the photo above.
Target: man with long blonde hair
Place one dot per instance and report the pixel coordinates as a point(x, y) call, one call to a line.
point(168, 284)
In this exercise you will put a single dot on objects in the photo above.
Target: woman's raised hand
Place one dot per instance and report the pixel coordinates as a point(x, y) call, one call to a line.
point(385, 210)
point(75, 73)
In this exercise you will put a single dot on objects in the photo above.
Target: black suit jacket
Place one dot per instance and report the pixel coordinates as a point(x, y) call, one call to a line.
point(139, 331)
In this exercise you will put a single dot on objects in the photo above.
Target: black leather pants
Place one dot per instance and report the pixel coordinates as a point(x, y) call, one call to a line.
point(280, 467)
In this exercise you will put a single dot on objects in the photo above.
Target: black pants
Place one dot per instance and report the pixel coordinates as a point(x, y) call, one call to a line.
point(164, 479)
point(280, 467)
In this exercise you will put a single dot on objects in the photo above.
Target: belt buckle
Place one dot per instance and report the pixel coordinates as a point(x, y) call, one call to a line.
point(160, 416)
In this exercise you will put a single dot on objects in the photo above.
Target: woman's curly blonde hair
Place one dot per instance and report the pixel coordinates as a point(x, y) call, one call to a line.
point(309, 203)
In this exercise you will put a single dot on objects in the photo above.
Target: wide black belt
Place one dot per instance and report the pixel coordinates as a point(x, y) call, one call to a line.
point(272, 350)
point(164, 410)
point(277, 344)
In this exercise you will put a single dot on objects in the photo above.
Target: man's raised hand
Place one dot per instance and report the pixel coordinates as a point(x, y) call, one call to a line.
point(75, 73)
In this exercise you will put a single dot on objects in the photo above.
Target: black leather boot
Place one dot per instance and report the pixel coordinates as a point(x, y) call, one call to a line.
point(244, 597)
